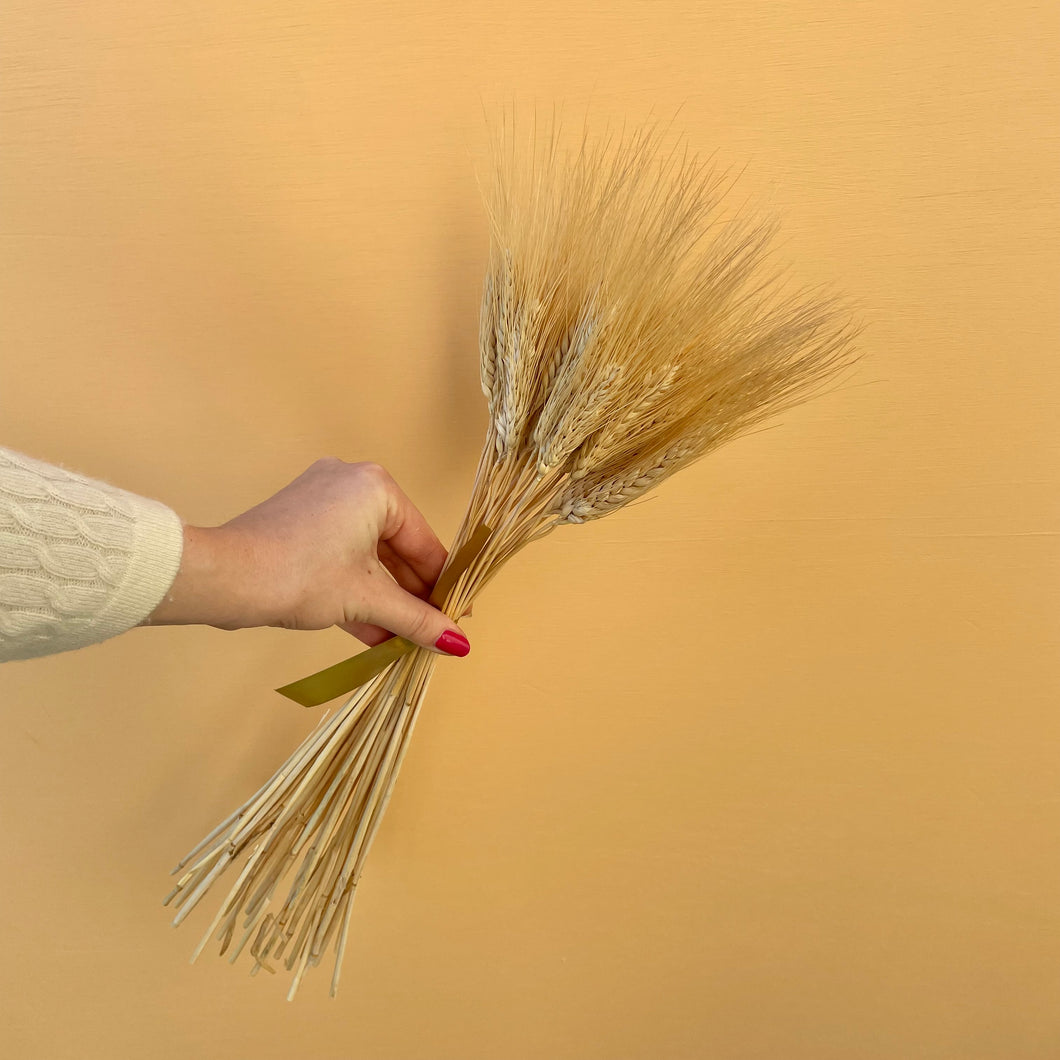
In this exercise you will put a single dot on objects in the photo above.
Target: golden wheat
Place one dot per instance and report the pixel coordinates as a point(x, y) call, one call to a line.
point(627, 328)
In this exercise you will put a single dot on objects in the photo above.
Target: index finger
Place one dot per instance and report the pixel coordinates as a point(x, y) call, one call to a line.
point(409, 535)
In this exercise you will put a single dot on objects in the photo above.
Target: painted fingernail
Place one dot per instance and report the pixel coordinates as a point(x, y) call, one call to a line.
point(453, 643)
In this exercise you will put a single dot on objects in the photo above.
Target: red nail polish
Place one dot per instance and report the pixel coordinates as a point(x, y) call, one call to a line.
point(453, 643)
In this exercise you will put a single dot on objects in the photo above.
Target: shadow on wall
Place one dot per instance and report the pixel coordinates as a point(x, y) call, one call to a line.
point(461, 407)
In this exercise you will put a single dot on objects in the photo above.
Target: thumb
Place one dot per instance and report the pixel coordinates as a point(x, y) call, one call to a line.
point(412, 618)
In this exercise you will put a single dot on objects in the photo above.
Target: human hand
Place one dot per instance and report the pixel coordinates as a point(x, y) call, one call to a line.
point(340, 546)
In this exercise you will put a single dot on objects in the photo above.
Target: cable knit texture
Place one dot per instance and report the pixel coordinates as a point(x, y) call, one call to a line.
point(80, 561)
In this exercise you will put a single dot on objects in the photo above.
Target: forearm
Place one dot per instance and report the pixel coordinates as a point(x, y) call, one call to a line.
point(80, 560)
point(341, 545)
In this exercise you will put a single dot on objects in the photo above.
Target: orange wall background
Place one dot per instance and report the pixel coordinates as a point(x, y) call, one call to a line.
point(765, 768)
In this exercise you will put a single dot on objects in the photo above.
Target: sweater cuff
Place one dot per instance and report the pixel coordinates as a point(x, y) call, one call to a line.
point(153, 565)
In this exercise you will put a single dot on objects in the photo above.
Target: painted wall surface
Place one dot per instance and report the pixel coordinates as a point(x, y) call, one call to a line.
point(765, 768)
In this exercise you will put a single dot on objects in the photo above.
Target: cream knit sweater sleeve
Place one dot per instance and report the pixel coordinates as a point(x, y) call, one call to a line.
point(80, 561)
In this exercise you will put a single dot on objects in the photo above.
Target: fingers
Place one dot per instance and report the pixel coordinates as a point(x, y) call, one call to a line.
point(398, 611)
point(366, 633)
point(410, 537)
point(371, 635)
point(405, 576)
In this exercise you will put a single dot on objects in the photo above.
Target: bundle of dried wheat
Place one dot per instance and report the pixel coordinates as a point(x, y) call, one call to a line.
point(627, 328)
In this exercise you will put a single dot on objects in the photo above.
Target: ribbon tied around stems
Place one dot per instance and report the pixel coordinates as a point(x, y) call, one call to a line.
point(345, 676)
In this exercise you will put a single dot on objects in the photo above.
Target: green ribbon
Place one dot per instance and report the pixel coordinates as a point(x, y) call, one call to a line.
point(345, 676)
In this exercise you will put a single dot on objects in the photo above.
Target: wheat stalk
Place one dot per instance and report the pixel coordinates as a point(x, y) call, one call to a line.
point(627, 328)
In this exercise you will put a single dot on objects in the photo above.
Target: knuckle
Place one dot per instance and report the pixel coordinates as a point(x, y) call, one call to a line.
point(373, 477)
point(372, 471)
point(420, 626)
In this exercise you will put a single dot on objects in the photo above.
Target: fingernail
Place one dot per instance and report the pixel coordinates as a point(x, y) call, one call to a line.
point(453, 643)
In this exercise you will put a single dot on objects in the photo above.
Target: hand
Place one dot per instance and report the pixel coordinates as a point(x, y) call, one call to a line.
point(340, 546)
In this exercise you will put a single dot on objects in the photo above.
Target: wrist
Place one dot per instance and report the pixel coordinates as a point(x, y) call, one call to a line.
point(213, 584)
